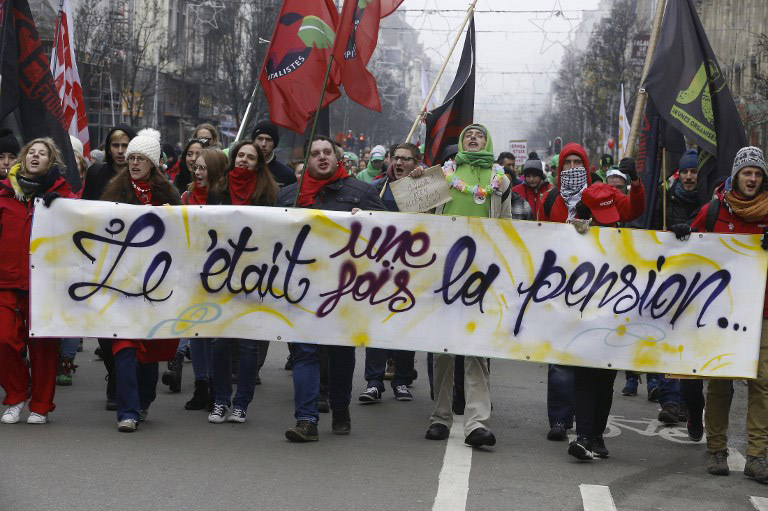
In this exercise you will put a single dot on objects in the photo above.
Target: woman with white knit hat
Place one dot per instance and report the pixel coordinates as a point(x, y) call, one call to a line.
point(136, 362)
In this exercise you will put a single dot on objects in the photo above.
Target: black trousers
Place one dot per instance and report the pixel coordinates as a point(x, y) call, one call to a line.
point(593, 398)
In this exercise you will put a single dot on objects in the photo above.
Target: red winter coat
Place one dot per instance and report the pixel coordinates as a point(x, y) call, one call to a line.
point(629, 208)
point(15, 232)
point(727, 222)
point(534, 197)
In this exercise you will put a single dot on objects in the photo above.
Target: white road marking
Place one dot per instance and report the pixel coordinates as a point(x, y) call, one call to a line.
point(736, 460)
point(596, 498)
point(453, 484)
point(760, 503)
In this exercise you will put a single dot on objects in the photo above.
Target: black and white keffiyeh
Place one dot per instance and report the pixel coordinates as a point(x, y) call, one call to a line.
point(572, 184)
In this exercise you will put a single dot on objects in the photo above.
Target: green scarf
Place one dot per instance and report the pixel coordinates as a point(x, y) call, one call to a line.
point(481, 159)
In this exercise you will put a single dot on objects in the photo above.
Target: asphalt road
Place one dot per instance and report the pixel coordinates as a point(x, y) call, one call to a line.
point(178, 461)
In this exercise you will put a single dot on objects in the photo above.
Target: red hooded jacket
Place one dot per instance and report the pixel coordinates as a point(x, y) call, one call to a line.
point(729, 223)
point(15, 233)
point(534, 197)
point(629, 207)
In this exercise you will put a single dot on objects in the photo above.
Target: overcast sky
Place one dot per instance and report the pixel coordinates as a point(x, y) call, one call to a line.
point(515, 58)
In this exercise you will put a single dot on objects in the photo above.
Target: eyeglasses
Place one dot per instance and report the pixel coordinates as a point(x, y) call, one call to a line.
point(137, 158)
point(194, 167)
point(403, 158)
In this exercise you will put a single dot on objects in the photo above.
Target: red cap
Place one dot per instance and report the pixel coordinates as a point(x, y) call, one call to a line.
point(600, 198)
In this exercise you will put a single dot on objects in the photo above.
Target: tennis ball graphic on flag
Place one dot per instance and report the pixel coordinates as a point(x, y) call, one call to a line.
point(315, 32)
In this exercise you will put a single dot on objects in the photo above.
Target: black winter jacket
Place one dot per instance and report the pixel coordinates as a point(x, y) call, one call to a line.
point(340, 195)
point(678, 211)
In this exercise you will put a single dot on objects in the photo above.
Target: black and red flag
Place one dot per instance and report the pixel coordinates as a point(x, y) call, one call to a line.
point(28, 92)
point(356, 39)
point(444, 123)
point(691, 94)
point(298, 56)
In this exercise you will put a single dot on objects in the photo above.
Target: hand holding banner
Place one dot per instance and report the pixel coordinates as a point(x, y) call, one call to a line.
point(417, 195)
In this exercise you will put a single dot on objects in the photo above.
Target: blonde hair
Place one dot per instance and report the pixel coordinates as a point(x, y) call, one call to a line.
point(53, 153)
point(214, 134)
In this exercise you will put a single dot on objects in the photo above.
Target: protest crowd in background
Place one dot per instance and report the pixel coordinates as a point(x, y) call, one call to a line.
point(134, 166)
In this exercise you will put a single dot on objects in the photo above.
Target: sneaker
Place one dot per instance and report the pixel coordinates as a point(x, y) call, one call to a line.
point(64, 372)
point(127, 425)
point(580, 449)
point(304, 431)
point(172, 377)
point(219, 413)
point(437, 431)
point(756, 468)
point(668, 414)
point(630, 388)
point(653, 393)
point(237, 416)
point(717, 463)
point(557, 432)
point(371, 395)
point(143, 415)
point(37, 418)
point(402, 393)
point(695, 427)
point(598, 448)
point(322, 404)
point(12, 414)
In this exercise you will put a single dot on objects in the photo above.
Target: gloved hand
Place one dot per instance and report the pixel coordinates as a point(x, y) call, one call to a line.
point(682, 231)
point(764, 239)
point(49, 197)
point(627, 167)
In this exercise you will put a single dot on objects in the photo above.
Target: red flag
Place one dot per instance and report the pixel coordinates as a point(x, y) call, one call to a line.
point(356, 39)
point(293, 72)
point(67, 80)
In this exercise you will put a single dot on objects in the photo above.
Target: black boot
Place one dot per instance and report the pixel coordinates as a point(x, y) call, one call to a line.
point(172, 377)
point(111, 392)
point(341, 423)
point(200, 398)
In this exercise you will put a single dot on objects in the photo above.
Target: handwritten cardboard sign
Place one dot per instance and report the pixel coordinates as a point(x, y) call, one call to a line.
point(416, 195)
point(611, 298)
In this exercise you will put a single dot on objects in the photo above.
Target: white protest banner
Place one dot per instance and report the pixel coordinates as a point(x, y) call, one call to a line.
point(421, 194)
point(618, 298)
point(520, 149)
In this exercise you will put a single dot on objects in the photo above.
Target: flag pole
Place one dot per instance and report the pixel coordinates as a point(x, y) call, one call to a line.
point(312, 131)
point(247, 114)
point(422, 112)
point(642, 96)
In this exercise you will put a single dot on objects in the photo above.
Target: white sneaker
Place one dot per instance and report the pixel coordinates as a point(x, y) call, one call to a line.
point(127, 425)
point(36, 418)
point(219, 413)
point(237, 416)
point(12, 414)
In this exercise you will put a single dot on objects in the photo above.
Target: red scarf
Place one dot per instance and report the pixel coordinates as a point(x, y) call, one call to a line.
point(197, 197)
point(310, 187)
point(143, 191)
point(242, 183)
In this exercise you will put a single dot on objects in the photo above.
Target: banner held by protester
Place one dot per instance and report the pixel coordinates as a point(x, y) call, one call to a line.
point(622, 299)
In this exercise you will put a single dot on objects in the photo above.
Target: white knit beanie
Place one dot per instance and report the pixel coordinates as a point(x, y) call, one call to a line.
point(749, 157)
point(146, 143)
point(77, 146)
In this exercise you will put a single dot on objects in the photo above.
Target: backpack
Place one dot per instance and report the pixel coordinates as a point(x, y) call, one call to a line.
point(712, 212)
point(550, 202)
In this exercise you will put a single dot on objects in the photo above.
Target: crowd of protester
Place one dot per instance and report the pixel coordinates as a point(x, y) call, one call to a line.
point(136, 168)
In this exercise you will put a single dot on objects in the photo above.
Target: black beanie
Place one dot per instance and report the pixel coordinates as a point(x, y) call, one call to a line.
point(8, 142)
point(266, 128)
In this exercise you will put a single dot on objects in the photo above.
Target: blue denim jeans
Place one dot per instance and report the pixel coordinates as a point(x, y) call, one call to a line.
point(560, 395)
point(306, 378)
point(376, 366)
point(136, 384)
point(669, 391)
point(200, 353)
point(651, 379)
point(246, 373)
point(68, 347)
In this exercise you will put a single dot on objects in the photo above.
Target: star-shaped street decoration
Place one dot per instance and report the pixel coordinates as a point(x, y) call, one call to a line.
point(555, 27)
point(205, 13)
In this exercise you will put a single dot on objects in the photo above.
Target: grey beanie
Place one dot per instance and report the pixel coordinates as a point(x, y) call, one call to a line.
point(533, 167)
point(749, 157)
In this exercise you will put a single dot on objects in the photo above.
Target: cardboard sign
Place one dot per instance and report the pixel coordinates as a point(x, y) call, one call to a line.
point(520, 149)
point(416, 195)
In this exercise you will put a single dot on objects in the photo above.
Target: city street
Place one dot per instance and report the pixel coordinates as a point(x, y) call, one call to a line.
point(178, 461)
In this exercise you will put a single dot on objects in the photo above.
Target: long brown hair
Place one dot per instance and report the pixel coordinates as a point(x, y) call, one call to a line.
point(120, 189)
point(54, 155)
point(266, 190)
point(216, 162)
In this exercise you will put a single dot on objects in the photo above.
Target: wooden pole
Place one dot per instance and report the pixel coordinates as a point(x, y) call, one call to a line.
point(312, 131)
point(419, 117)
point(642, 96)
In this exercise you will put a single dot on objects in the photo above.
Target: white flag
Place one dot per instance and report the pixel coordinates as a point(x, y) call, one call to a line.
point(623, 127)
point(67, 79)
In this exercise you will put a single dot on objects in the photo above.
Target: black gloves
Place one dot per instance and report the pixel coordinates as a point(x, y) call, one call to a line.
point(682, 231)
point(627, 167)
point(764, 239)
point(49, 197)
